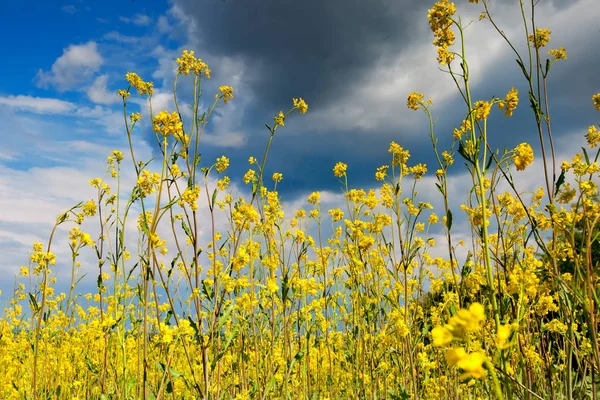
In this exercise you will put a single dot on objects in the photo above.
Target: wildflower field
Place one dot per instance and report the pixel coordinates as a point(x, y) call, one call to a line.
point(344, 303)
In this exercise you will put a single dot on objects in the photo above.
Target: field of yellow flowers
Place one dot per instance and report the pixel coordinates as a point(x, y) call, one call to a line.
point(271, 308)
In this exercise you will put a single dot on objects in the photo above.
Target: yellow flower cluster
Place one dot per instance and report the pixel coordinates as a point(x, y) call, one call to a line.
point(148, 182)
point(188, 62)
point(339, 170)
point(190, 197)
point(440, 21)
point(596, 100)
point(558, 54)
point(523, 156)
point(540, 38)
point(510, 102)
point(481, 110)
point(415, 100)
point(400, 156)
point(166, 124)
point(138, 83)
point(222, 164)
point(226, 93)
point(464, 322)
point(300, 105)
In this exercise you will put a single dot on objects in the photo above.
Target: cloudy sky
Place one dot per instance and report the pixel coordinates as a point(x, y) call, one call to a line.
point(353, 61)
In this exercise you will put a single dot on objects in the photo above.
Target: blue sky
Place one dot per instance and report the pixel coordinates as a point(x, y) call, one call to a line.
point(354, 62)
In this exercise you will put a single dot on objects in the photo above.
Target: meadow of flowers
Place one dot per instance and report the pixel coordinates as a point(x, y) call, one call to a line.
point(273, 308)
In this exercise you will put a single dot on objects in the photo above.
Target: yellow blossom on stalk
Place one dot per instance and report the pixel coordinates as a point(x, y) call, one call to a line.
point(339, 170)
point(510, 102)
point(90, 208)
point(223, 184)
point(166, 333)
point(464, 322)
point(314, 198)
point(188, 62)
point(137, 82)
point(399, 155)
point(272, 285)
point(280, 119)
point(135, 117)
point(470, 363)
point(419, 170)
point(118, 155)
point(166, 123)
point(448, 159)
point(222, 164)
point(558, 54)
point(444, 57)
point(147, 182)
point(592, 136)
point(415, 100)
point(523, 156)
point(381, 172)
point(464, 128)
point(123, 93)
point(277, 177)
point(440, 22)
point(503, 335)
point(596, 100)
point(482, 110)
point(336, 214)
point(251, 160)
point(249, 176)
point(300, 105)
point(190, 196)
point(540, 38)
point(226, 93)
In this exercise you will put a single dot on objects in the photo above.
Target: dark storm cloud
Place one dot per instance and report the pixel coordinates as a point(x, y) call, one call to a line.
point(324, 50)
point(311, 48)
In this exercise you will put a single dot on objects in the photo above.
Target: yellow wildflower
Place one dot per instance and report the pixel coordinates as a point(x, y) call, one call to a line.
point(523, 156)
point(340, 169)
point(540, 38)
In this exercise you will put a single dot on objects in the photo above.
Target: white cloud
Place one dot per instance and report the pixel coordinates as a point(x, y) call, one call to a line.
point(137, 19)
point(117, 37)
point(98, 92)
point(163, 24)
point(226, 139)
point(76, 65)
point(141, 20)
point(38, 105)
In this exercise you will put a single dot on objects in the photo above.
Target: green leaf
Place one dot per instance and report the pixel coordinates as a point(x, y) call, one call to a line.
point(167, 319)
point(214, 198)
point(186, 229)
point(224, 317)
point(34, 303)
point(463, 153)
point(587, 158)
point(207, 291)
point(449, 219)
point(197, 160)
point(489, 163)
point(523, 69)
point(560, 181)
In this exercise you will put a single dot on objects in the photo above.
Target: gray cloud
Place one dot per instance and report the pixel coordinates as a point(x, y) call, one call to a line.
point(355, 62)
point(312, 48)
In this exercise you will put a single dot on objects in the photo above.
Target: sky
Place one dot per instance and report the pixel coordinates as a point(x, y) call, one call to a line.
point(354, 62)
